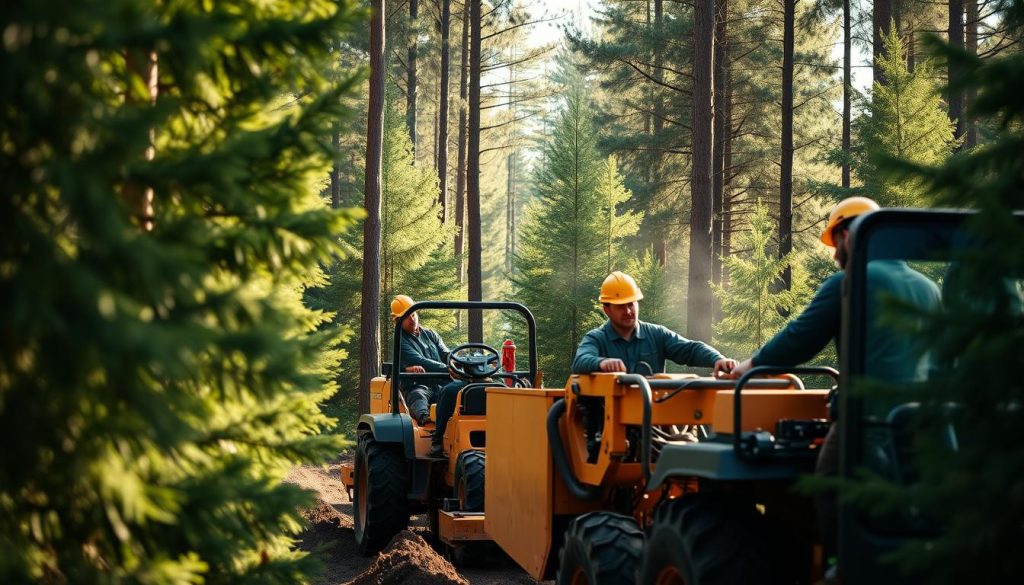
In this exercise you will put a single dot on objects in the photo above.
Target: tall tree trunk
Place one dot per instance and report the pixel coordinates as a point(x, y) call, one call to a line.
point(442, 122)
point(727, 179)
point(971, 44)
point(699, 301)
point(718, 148)
point(510, 210)
point(956, 40)
point(881, 18)
point(657, 180)
point(336, 166)
point(369, 330)
point(786, 164)
point(460, 171)
point(510, 186)
point(410, 85)
point(847, 89)
point(475, 274)
point(139, 198)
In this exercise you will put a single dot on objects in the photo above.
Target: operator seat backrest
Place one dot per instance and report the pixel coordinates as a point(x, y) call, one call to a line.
point(474, 397)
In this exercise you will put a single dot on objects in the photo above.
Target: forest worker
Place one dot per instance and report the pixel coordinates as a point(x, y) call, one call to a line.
point(891, 356)
point(423, 351)
point(624, 340)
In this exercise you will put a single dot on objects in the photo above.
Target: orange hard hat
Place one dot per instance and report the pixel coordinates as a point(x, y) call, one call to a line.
point(620, 288)
point(846, 209)
point(400, 305)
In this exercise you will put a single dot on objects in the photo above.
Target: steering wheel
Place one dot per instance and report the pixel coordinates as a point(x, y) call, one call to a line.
point(474, 360)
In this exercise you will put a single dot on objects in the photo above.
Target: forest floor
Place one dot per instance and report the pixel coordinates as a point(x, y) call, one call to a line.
point(409, 559)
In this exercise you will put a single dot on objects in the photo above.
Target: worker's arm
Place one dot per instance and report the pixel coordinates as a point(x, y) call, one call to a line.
point(411, 356)
point(803, 337)
point(588, 357)
point(684, 351)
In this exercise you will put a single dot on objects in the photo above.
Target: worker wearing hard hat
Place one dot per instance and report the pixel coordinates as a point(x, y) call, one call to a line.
point(624, 341)
point(423, 351)
point(892, 356)
point(806, 335)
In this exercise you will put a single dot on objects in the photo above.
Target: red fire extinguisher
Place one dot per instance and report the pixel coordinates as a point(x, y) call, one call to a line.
point(508, 359)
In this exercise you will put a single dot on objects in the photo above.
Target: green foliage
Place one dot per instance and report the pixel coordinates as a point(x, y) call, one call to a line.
point(571, 237)
point(907, 121)
point(156, 384)
point(752, 307)
point(975, 494)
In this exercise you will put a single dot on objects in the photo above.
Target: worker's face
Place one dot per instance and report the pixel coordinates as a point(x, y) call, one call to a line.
point(623, 316)
point(842, 241)
point(411, 324)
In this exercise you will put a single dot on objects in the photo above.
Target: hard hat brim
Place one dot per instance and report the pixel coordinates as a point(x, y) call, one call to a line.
point(620, 300)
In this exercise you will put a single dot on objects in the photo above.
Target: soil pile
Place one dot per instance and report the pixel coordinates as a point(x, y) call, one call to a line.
point(409, 560)
point(324, 524)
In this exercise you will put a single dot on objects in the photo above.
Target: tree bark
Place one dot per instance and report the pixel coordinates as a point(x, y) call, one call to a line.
point(956, 40)
point(786, 164)
point(510, 210)
point(369, 331)
point(460, 171)
point(442, 122)
point(718, 148)
point(657, 180)
point(699, 301)
point(881, 17)
point(971, 44)
point(727, 179)
point(474, 275)
point(336, 166)
point(410, 85)
point(847, 89)
point(139, 198)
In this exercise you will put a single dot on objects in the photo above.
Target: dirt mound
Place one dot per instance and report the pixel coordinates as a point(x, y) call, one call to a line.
point(325, 524)
point(409, 560)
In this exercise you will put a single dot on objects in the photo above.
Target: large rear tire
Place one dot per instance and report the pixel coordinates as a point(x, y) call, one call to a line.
point(469, 480)
point(381, 508)
point(601, 548)
point(710, 539)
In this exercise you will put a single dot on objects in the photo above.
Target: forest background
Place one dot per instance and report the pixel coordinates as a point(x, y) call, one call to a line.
point(527, 154)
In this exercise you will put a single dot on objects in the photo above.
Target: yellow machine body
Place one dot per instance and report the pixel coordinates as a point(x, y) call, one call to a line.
point(525, 496)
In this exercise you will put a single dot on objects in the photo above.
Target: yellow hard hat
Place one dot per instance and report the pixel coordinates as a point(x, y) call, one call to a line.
point(620, 288)
point(400, 305)
point(848, 208)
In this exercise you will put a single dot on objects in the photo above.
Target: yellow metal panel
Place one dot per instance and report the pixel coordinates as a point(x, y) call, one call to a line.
point(348, 478)
point(519, 479)
point(380, 395)
point(456, 527)
point(762, 408)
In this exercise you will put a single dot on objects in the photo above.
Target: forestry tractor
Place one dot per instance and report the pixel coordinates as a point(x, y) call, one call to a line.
point(393, 475)
point(677, 479)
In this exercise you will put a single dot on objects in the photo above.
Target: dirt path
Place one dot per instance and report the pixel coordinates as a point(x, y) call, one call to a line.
point(331, 528)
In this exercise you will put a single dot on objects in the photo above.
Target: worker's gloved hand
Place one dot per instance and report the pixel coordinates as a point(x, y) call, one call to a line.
point(415, 370)
point(612, 365)
point(724, 368)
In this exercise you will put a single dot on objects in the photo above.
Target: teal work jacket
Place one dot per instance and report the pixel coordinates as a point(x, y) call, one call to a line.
point(650, 343)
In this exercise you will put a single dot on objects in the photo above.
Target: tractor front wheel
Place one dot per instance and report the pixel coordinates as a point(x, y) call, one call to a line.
point(469, 480)
point(601, 548)
point(381, 508)
point(709, 539)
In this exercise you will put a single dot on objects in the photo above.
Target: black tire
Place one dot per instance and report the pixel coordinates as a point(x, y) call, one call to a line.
point(600, 548)
point(710, 539)
point(469, 480)
point(380, 509)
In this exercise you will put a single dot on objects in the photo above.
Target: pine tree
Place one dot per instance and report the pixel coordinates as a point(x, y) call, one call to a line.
point(159, 374)
point(752, 308)
point(564, 252)
point(907, 121)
